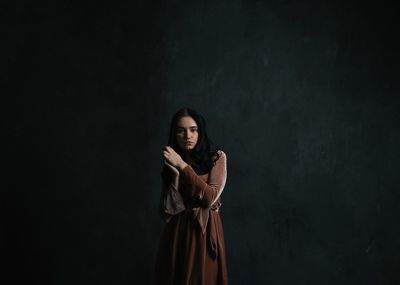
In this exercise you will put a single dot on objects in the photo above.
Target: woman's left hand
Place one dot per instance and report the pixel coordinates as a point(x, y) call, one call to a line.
point(173, 158)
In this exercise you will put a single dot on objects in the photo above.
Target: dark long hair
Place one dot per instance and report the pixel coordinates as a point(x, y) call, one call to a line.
point(203, 156)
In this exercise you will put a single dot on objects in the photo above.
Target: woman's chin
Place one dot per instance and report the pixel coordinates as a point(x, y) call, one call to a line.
point(187, 148)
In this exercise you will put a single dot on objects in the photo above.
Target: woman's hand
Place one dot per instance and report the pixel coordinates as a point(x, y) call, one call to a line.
point(174, 159)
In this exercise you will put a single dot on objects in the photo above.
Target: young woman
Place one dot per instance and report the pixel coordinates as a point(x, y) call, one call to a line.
point(192, 249)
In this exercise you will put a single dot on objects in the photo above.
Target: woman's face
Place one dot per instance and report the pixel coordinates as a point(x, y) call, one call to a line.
point(187, 133)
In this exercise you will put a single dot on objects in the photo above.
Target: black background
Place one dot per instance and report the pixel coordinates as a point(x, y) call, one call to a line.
point(301, 95)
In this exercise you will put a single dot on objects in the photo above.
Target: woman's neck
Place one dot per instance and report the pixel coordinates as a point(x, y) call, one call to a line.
point(187, 157)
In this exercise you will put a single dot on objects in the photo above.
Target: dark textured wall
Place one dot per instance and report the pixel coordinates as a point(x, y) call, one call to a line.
point(301, 95)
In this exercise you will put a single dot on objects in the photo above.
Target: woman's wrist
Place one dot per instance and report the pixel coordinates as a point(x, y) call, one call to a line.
point(182, 165)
